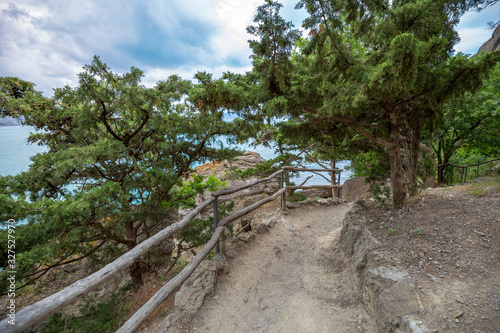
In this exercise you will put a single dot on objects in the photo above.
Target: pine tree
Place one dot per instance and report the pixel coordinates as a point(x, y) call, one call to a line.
point(381, 68)
point(118, 153)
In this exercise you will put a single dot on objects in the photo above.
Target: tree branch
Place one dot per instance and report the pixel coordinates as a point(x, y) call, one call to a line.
point(141, 126)
point(375, 139)
point(105, 122)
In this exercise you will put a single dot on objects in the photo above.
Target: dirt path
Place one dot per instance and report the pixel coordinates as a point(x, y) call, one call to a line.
point(291, 279)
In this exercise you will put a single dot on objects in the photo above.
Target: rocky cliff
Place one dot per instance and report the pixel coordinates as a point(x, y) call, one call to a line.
point(493, 44)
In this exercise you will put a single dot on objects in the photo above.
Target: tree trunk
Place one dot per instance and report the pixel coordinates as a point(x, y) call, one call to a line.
point(440, 161)
point(397, 180)
point(136, 275)
point(135, 269)
point(397, 177)
point(414, 157)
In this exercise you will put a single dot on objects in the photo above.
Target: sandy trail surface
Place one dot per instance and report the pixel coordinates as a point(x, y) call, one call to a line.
point(290, 279)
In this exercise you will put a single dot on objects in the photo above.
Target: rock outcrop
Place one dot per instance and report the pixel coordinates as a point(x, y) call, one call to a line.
point(200, 284)
point(355, 188)
point(492, 44)
point(223, 171)
point(388, 292)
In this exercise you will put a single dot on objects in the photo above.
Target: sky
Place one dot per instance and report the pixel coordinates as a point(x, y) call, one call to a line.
point(47, 42)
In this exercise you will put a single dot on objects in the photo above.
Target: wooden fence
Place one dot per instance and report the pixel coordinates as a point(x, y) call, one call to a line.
point(448, 170)
point(35, 313)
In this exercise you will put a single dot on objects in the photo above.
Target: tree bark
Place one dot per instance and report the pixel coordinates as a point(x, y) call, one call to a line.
point(414, 154)
point(136, 275)
point(397, 180)
point(397, 177)
point(135, 269)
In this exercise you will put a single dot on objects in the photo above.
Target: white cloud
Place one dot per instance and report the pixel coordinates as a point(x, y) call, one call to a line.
point(153, 75)
point(233, 17)
point(48, 41)
point(471, 39)
point(473, 29)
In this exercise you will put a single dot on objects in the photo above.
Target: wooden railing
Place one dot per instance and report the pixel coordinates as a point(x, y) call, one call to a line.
point(37, 312)
point(448, 170)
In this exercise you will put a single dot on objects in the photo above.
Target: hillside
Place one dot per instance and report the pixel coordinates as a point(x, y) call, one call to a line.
point(296, 279)
point(290, 275)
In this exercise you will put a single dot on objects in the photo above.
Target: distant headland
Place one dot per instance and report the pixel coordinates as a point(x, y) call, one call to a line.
point(9, 121)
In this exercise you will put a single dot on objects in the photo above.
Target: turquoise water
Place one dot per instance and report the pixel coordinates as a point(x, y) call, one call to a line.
point(15, 154)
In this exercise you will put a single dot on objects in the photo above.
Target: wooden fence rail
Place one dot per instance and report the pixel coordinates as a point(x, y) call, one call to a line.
point(37, 312)
point(465, 169)
point(161, 295)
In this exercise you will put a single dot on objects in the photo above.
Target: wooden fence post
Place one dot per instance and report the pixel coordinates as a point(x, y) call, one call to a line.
point(222, 242)
point(283, 196)
point(281, 186)
point(444, 174)
point(332, 181)
point(216, 222)
point(338, 188)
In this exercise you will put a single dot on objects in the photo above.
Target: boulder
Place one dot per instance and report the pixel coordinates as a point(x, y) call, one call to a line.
point(397, 301)
point(199, 285)
point(496, 168)
point(388, 292)
point(317, 193)
point(353, 225)
point(409, 324)
point(355, 188)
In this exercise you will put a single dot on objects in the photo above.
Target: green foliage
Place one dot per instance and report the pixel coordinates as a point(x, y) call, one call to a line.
point(196, 185)
point(94, 317)
point(179, 265)
point(118, 153)
point(296, 196)
point(381, 194)
point(198, 232)
point(391, 231)
point(467, 131)
point(374, 165)
point(417, 232)
point(267, 167)
point(271, 53)
point(378, 70)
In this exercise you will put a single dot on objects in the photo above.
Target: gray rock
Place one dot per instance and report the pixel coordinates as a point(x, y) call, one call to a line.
point(199, 285)
point(317, 193)
point(388, 292)
point(399, 300)
point(247, 236)
point(365, 244)
point(353, 226)
point(492, 44)
point(408, 324)
point(378, 279)
point(355, 188)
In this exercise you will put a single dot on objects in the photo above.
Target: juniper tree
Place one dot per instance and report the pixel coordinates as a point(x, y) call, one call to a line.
point(469, 126)
point(380, 68)
point(118, 153)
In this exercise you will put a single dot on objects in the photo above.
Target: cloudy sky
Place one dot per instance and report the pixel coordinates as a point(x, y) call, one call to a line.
point(48, 41)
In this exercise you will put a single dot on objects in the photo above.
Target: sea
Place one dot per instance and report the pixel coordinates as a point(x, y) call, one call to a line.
point(16, 153)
